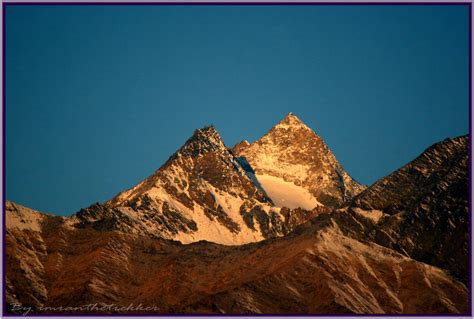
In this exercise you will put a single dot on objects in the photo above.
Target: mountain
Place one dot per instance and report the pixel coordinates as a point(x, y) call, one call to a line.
point(207, 234)
point(296, 167)
point(422, 209)
point(26, 254)
point(202, 192)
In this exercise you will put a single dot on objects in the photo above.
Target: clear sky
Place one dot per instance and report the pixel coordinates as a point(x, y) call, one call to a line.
point(98, 97)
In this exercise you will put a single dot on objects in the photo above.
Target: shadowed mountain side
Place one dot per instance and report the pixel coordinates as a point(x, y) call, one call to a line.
point(422, 209)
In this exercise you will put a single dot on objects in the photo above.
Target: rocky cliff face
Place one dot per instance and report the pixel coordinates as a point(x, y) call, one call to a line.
point(292, 157)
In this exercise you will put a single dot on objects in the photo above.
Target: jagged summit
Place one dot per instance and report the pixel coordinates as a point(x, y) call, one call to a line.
point(207, 132)
point(204, 140)
point(293, 158)
point(291, 119)
point(292, 123)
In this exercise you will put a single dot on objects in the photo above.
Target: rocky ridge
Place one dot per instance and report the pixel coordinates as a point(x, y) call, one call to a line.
point(422, 209)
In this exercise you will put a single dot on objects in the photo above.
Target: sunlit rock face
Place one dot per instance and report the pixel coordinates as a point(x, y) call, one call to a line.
point(293, 157)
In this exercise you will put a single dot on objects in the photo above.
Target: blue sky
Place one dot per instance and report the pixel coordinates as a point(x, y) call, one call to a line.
point(98, 97)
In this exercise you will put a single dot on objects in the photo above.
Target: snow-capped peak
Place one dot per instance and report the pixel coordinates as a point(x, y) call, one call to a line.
point(294, 153)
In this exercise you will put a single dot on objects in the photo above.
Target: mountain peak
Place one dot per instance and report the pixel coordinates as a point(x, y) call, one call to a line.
point(291, 152)
point(291, 115)
point(291, 121)
point(204, 140)
point(239, 147)
point(208, 133)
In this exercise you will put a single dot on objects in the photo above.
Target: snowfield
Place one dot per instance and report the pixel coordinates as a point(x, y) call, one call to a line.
point(287, 194)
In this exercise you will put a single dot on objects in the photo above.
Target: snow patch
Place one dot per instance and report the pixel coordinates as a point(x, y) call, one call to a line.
point(287, 194)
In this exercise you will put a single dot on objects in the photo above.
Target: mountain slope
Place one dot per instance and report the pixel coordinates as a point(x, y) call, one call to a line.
point(26, 254)
point(291, 153)
point(317, 269)
point(422, 209)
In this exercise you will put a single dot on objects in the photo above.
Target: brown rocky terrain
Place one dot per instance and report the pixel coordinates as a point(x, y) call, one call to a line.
point(317, 269)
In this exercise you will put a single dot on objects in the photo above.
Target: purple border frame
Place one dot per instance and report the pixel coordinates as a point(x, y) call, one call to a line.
point(5, 4)
point(261, 3)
